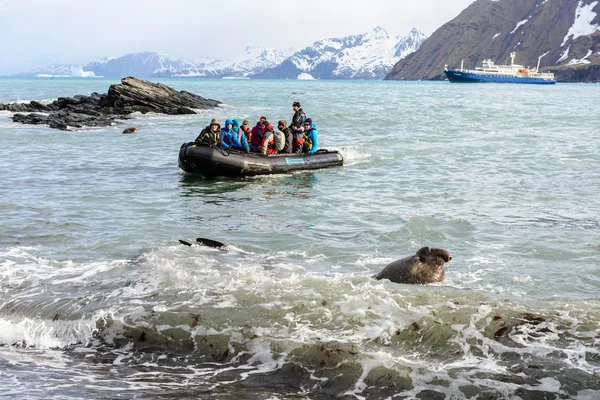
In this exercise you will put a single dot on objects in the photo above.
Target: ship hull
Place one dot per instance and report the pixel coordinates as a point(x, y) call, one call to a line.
point(464, 76)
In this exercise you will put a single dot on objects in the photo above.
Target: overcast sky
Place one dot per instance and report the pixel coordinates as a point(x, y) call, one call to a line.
point(37, 33)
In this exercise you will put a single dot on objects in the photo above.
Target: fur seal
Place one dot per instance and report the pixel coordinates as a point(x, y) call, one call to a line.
point(207, 242)
point(424, 267)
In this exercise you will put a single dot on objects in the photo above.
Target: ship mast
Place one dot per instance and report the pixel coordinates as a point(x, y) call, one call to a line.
point(512, 57)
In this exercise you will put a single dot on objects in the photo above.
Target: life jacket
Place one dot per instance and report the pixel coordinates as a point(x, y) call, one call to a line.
point(308, 144)
point(268, 144)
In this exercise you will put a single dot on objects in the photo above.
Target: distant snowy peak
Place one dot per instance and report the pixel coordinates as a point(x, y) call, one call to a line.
point(253, 61)
point(144, 64)
point(106, 59)
point(370, 55)
point(409, 44)
point(63, 70)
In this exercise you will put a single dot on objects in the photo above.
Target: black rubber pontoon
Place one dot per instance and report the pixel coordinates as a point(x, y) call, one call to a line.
point(212, 161)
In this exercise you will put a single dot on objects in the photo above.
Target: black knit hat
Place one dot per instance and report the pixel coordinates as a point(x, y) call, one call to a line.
point(296, 104)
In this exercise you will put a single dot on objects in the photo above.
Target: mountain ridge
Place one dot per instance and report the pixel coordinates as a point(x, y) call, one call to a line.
point(370, 55)
point(366, 56)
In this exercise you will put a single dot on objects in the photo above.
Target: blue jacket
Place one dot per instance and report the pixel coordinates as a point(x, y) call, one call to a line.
point(227, 136)
point(239, 144)
point(313, 135)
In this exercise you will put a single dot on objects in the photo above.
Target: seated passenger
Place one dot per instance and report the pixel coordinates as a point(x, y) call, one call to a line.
point(289, 137)
point(210, 135)
point(239, 136)
point(247, 131)
point(298, 138)
point(273, 140)
point(311, 137)
point(257, 135)
point(227, 139)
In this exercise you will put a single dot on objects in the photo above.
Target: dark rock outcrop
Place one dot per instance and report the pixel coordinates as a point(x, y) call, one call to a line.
point(131, 95)
point(494, 29)
point(589, 72)
point(577, 73)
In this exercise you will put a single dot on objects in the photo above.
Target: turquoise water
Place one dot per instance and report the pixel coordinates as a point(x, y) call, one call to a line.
point(98, 299)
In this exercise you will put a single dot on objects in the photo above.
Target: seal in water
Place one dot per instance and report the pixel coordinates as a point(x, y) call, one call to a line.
point(207, 242)
point(424, 267)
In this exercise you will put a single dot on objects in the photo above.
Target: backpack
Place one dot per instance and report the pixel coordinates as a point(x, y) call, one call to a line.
point(279, 140)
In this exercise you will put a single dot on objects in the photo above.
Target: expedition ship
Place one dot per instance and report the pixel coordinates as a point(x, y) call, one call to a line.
point(490, 72)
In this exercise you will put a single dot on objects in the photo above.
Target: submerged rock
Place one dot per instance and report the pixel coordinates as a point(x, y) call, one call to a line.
point(131, 95)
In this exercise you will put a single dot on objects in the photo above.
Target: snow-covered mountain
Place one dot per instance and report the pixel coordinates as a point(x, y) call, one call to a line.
point(62, 70)
point(253, 61)
point(142, 65)
point(367, 56)
point(145, 65)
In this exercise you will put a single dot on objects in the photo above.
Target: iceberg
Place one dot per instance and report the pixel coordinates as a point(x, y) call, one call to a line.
point(305, 77)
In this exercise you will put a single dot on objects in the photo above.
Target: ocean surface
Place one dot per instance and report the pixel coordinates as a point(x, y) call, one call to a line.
point(98, 300)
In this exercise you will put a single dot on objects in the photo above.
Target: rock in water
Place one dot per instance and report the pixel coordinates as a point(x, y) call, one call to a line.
point(131, 95)
point(137, 95)
point(130, 130)
point(426, 266)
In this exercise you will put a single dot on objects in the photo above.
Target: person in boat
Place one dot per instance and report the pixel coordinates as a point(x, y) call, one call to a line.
point(240, 138)
point(227, 137)
point(273, 140)
point(257, 135)
point(289, 137)
point(311, 137)
point(247, 131)
point(298, 138)
point(299, 116)
point(210, 135)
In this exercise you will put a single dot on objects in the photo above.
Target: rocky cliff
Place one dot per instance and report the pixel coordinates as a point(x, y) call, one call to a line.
point(566, 32)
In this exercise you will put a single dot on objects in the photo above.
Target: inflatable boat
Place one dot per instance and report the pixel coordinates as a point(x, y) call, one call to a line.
point(214, 161)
